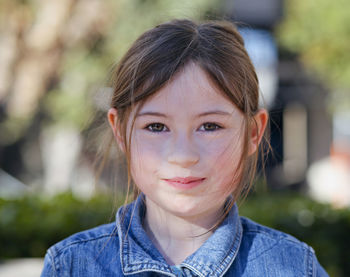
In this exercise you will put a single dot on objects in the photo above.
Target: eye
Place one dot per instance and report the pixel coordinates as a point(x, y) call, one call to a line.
point(210, 126)
point(156, 127)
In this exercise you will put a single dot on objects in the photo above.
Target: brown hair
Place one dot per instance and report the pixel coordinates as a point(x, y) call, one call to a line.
point(158, 54)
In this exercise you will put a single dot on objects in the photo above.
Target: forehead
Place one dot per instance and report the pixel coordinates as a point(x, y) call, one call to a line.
point(189, 90)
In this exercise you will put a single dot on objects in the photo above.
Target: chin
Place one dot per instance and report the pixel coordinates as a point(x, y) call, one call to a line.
point(186, 209)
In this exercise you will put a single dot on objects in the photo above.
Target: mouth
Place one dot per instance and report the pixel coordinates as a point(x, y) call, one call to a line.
point(184, 183)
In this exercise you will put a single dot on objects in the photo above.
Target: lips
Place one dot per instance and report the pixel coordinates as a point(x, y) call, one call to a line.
point(184, 180)
point(184, 183)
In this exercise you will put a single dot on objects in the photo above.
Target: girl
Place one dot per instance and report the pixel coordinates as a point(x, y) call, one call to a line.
point(185, 113)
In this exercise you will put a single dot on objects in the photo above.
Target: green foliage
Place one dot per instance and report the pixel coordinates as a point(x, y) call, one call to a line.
point(319, 31)
point(12, 129)
point(30, 225)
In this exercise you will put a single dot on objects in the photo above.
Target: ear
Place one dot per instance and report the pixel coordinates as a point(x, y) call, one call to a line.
point(257, 130)
point(113, 122)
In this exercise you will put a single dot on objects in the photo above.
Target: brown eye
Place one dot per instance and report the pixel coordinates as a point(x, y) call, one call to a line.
point(209, 126)
point(156, 127)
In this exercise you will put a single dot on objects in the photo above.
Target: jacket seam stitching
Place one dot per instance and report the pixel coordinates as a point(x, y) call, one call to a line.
point(263, 252)
point(239, 237)
point(52, 260)
point(311, 263)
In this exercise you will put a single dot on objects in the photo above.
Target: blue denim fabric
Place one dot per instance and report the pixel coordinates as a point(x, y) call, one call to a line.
point(238, 247)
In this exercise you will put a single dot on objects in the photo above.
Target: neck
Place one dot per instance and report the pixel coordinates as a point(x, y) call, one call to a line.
point(174, 236)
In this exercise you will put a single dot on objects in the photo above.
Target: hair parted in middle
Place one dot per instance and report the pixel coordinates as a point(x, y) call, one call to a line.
point(160, 53)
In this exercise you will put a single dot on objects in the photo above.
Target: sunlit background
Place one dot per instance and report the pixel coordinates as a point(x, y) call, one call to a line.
point(55, 59)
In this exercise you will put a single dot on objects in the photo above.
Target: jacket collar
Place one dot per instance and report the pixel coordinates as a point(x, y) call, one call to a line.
point(138, 254)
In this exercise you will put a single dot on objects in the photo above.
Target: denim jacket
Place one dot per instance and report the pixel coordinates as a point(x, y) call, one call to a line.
point(238, 247)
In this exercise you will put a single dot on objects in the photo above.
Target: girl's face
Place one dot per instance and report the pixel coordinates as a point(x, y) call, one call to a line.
point(186, 146)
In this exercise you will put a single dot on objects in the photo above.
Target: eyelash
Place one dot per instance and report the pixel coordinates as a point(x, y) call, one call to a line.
point(149, 126)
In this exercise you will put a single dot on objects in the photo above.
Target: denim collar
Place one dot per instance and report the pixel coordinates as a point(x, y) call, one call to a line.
point(138, 254)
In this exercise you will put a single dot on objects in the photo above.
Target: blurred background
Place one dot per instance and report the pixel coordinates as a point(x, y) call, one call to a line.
point(55, 60)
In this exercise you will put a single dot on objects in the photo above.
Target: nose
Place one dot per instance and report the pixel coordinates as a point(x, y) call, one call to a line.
point(183, 152)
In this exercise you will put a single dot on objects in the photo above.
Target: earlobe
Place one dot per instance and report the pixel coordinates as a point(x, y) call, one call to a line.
point(257, 130)
point(113, 122)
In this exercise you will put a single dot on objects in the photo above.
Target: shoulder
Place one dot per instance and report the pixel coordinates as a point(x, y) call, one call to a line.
point(285, 252)
point(266, 238)
point(85, 252)
point(252, 228)
point(92, 238)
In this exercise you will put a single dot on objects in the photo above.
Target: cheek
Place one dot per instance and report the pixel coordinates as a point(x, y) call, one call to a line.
point(224, 164)
point(145, 159)
point(224, 153)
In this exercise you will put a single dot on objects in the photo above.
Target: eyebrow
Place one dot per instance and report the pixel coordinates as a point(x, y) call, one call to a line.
point(214, 112)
